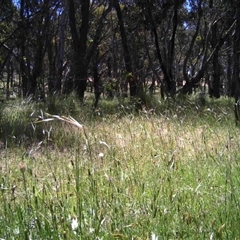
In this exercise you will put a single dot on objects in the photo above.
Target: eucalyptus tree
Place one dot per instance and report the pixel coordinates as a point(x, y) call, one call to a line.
point(206, 41)
point(127, 56)
point(8, 28)
point(83, 48)
point(161, 19)
point(33, 39)
point(221, 15)
point(57, 46)
point(236, 59)
point(138, 48)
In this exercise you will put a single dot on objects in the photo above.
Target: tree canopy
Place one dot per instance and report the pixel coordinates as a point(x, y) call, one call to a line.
point(56, 47)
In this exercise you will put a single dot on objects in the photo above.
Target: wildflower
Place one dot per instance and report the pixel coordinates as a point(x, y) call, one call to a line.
point(74, 224)
point(212, 236)
point(101, 155)
point(154, 237)
point(16, 231)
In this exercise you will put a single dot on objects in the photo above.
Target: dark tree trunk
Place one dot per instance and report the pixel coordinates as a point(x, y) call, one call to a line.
point(98, 88)
point(81, 57)
point(60, 65)
point(170, 84)
point(25, 80)
point(216, 65)
point(81, 76)
point(216, 77)
point(171, 51)
point(127, 57)
point(187, 88)
point(9, 77)
point(32, 51)
point(190, 83)
point(55, 50)
point(51, 67)
point(79, 46)
point(236, 70)
point(231, 86)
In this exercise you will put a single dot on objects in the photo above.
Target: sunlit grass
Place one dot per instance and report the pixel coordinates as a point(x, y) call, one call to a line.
point(145, 175)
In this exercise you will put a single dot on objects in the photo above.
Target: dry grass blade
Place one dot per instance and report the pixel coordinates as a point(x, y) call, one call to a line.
point(69, 119)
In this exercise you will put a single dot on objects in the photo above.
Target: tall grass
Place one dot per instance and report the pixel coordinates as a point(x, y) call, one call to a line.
point(167, 173)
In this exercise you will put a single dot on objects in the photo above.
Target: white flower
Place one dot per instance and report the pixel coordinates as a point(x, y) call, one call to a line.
point(74, 224)
point(154, 237)
point(101, 155)
point(15, 231)
point(212, 236)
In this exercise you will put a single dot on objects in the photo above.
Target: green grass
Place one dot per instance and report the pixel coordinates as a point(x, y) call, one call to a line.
point(171, 172)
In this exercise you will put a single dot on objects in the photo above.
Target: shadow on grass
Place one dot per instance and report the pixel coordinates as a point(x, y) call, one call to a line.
point(17, 118)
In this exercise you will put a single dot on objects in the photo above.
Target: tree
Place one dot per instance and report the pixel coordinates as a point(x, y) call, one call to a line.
point(56, 41)
point(8, 15)
point(127, 57)
point(83, 51)
point(136, 42)
point(205, 55)
point(236, 58)
point(33, 38)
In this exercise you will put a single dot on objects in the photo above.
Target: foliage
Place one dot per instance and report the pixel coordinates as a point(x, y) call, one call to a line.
point(56, 46)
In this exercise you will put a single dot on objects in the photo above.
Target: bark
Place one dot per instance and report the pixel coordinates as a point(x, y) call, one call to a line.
point(236, 70)
point(97, 81)
point(169, 82)
point(187, 89)
point(79, 41)
point(51, 66)
point(60, 54)
point(216, 65)
point(171, 49)
point(82, 57)
point(206, 59)
point(56, 53)
point(32, 51)
point(231, 87)
point(25, 80)
point(127, 57)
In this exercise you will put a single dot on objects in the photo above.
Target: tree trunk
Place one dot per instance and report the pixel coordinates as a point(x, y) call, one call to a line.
point(51, 66)
point(230, 87)
point(216, 65)
point(60, 54)
point(25, 80)
point(79, 46)
point(236, 70)
point(81, 58)
point(127, 57)
point(169, 82)
point(171, 50)
point(98, 88)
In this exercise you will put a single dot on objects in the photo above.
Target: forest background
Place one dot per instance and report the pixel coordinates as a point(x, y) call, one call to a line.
point(117, 119)
point(120, 47)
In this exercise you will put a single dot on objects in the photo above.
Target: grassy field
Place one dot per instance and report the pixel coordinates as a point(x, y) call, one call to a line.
point(171, 171)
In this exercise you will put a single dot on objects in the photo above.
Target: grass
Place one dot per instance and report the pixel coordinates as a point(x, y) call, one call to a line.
point(171, 172)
